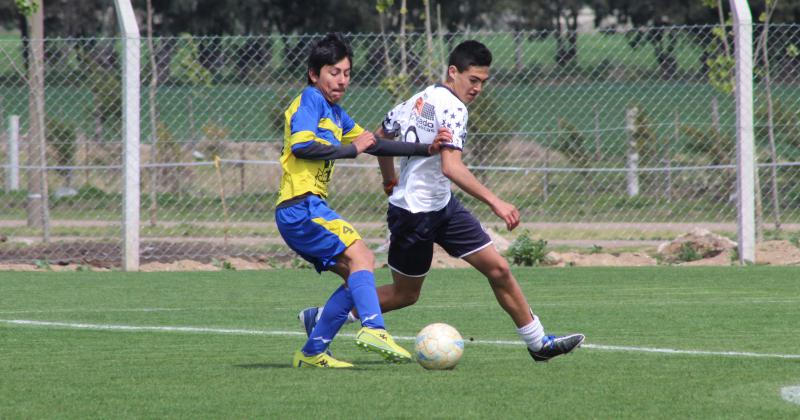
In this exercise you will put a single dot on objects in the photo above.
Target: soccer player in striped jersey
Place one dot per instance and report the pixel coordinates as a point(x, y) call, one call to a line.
point(317, 132)
point(422, 210)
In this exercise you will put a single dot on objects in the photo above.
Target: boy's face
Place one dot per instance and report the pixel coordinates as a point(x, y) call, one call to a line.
point(468, 84)
point(332, 80)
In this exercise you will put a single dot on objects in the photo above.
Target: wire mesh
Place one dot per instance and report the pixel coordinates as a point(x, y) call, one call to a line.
point(616, 138)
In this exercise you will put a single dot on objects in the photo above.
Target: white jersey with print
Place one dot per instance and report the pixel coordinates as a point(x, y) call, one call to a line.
point(422, 187)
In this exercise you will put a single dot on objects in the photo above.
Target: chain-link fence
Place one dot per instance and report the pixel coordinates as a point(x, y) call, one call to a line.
point(606, 138)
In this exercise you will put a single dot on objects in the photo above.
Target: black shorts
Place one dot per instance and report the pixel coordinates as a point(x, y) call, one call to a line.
point(454, 228)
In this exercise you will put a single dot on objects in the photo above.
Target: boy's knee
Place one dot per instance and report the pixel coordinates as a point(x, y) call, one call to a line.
point(500, 270)
point(410, 297)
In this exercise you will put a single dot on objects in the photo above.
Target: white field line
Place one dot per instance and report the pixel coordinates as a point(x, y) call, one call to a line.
point(49, 311)
point(240, 331)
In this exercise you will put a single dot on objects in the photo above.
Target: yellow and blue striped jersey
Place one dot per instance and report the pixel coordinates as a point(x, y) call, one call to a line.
point(310, 118)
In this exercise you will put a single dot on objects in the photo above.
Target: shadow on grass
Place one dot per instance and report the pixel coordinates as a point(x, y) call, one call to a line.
point(289, 365)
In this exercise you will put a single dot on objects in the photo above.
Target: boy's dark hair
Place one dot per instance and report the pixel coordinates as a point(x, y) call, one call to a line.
point(470, 53)
point(329, 50)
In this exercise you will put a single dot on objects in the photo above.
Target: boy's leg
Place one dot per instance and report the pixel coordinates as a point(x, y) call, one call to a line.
point(331, 320)
point(508, 293)
point(462, 236)
point(505, 287)
point(314, 352)
point(404, 291)
point(361, 282)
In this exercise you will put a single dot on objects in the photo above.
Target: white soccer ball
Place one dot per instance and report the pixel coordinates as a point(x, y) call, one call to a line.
point(438, 347)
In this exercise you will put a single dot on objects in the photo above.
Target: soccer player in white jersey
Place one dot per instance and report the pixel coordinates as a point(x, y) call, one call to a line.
point(422, 210)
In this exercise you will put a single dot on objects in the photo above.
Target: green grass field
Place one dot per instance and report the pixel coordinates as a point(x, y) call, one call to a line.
point(83, 358)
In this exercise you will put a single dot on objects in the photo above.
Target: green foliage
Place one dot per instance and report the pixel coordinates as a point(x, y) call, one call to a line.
point(106, 87)
point(42, 265)
point(647, 142)
point(720, 73)
point(383, 5)
point(596, 249)
point(784, 119)
point(487, 115)
point(572, 143)
point(526, 252)
point(186, 68)
point(687, 253)
point(735, 255)
point(223, 264)
point(62, 138)
point(277, 108)
point(397, 86)
point(720, 64)
point(28, 7)
point(717, 147)
point(214, 137)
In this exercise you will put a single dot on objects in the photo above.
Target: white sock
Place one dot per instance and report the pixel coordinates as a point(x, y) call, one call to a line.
point(532, 334)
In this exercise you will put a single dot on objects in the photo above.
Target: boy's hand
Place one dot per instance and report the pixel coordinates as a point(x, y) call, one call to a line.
point(364, 141)
point(388, 186)
point(507, 212)
point(443, 136)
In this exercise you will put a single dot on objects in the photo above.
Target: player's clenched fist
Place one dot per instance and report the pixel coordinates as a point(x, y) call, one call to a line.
point(508, 212)
point(388, 186)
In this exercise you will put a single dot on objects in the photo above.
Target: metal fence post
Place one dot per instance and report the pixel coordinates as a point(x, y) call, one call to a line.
point(130, 133)
point(745, 180)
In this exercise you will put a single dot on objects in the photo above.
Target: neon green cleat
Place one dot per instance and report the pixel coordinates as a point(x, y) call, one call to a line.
point(322, 360)
point(381, 342)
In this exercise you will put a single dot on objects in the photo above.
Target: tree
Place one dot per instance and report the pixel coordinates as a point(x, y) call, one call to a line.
point(38, 215)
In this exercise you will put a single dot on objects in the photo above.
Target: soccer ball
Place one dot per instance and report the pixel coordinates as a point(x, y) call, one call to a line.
point(438, 347)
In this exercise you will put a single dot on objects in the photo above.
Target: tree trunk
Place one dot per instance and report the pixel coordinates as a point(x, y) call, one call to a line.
point(153, 118)
point(37, 154)
point(776, 208)
point(429, 67)
point(403, 58)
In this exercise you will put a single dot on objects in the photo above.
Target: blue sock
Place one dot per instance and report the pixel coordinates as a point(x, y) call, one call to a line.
point(333, 316)
point(365, 297)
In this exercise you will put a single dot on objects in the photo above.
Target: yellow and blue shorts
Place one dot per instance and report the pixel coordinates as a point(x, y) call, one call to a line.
point(314, 231)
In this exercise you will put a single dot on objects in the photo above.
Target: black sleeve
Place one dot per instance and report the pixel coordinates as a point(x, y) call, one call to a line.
point(397, 148)
point(319, 151)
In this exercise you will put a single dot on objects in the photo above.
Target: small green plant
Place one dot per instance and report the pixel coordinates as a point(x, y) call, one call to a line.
point(735, 255)
point(525, 251)
point(223, 264)
point(42, 265)
point(596, 249)
point(795, 240)
point(687, 253)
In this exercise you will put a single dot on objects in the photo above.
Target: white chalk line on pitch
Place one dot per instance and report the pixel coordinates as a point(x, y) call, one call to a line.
point(241, 331)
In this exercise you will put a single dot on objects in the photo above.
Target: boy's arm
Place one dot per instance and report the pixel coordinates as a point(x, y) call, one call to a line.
point(386, 164)
point(454, 169)
point(318, 151)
